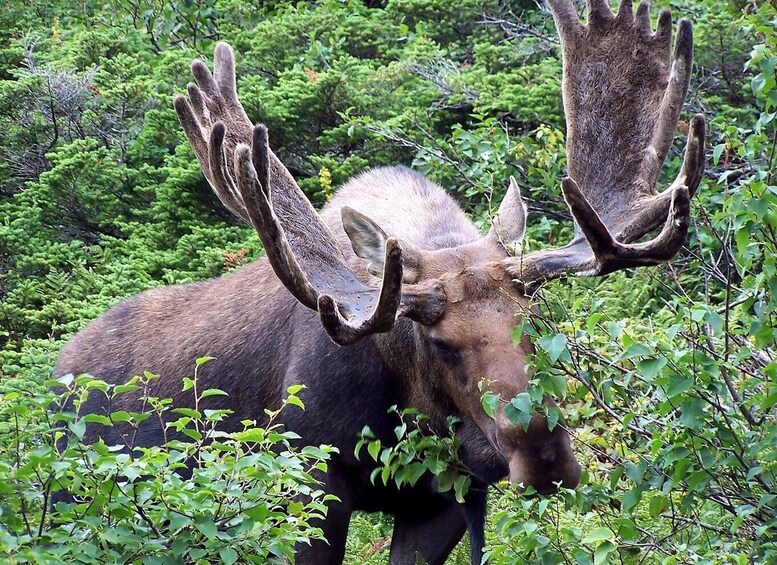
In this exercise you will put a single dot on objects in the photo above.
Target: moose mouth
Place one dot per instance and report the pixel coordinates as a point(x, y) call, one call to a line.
point(544, 461)
point(535, 457)
point(548, 479)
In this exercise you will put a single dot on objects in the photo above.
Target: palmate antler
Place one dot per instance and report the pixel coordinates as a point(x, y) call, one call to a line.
point(301, 249)
point(622, 101)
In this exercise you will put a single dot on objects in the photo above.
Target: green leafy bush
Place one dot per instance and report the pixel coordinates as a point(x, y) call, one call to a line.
point(250, 497)
point(419, 449)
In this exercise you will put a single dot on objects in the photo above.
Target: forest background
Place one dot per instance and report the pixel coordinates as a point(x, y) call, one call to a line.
point(667, 375)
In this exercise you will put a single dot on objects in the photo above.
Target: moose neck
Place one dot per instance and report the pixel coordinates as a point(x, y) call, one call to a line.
point(417, 388)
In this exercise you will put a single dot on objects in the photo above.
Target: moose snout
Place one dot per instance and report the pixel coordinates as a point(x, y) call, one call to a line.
point(545, 477)
point(539, 457)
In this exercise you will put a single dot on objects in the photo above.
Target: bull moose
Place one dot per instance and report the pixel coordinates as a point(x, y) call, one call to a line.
point(392, 297)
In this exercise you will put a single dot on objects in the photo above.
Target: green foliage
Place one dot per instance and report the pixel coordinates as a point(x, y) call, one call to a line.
point(250, 498)
point(666, 376)
point(419, 450)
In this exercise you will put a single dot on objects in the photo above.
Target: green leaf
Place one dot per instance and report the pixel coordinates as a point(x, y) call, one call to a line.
point(190, 412)
point(461, 486)
point(193, 434)
point(519, 410)
point(207, 528)
point(717, 152)
point(120, 416)
point(202, 360)
point(228, 555)
point(251, 435)
point(373, 448)
point(78, 428)
point(97, 419)
point(649, 368)
point(677, 385)
point(554, 345)
point(413, 472)
point(599, 534)
point(122, 389)
point(98, 385)
point(295, 401)
point(522, 402)
point(602, 552)
point(66, 380)
point(630, 499)
point(553, 417)
point(490, 402)
point(692, 413)
point(636, 350)
point(658, 504)
point(593, 319)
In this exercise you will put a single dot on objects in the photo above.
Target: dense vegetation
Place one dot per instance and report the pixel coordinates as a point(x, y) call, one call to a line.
point(668, 376)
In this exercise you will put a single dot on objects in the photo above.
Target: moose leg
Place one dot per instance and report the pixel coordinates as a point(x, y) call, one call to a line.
point(475, 517)
point(433, 538)
point(334, 526)
point(320, 552)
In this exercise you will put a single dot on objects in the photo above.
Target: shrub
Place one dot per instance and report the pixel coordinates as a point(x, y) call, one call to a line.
point(251, 495)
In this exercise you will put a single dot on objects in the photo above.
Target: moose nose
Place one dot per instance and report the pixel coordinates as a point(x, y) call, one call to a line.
point(552, 487)
point(571, 478)
point(548, 479)
point(545, 487)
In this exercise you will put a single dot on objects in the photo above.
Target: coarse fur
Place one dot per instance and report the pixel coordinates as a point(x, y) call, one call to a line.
point(264, 341)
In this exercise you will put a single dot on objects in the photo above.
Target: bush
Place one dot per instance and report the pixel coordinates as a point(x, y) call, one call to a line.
point(251, 496)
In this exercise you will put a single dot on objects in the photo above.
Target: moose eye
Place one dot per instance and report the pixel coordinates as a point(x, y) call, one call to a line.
point(444, 352)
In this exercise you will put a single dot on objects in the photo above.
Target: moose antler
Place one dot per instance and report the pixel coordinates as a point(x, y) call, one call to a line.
point(301, 249)
point(622, 101)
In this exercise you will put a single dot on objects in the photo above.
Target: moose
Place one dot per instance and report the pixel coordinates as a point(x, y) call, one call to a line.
point(390, 296)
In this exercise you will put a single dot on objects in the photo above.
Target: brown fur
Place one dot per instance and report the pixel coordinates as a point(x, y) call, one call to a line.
point(264, 341)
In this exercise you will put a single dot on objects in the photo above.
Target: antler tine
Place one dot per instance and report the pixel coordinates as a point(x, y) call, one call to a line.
point(663, 34)
point(224, 71)
point(319, 278)
point(193, 131)
point(672, 102)
point(198, 104)
point(626, 10)
point(565, 16)
point(599, 11)
point(222, 178)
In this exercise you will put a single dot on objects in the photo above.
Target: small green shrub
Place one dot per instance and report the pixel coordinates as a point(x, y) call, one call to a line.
point(419, 449)
point(252, 495)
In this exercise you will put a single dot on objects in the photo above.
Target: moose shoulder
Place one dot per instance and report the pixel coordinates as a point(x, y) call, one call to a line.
point(391, 296)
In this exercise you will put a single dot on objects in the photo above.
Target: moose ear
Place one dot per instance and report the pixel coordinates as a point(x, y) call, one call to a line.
point(367, 239)
point(369, 242)
point(510, 221)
